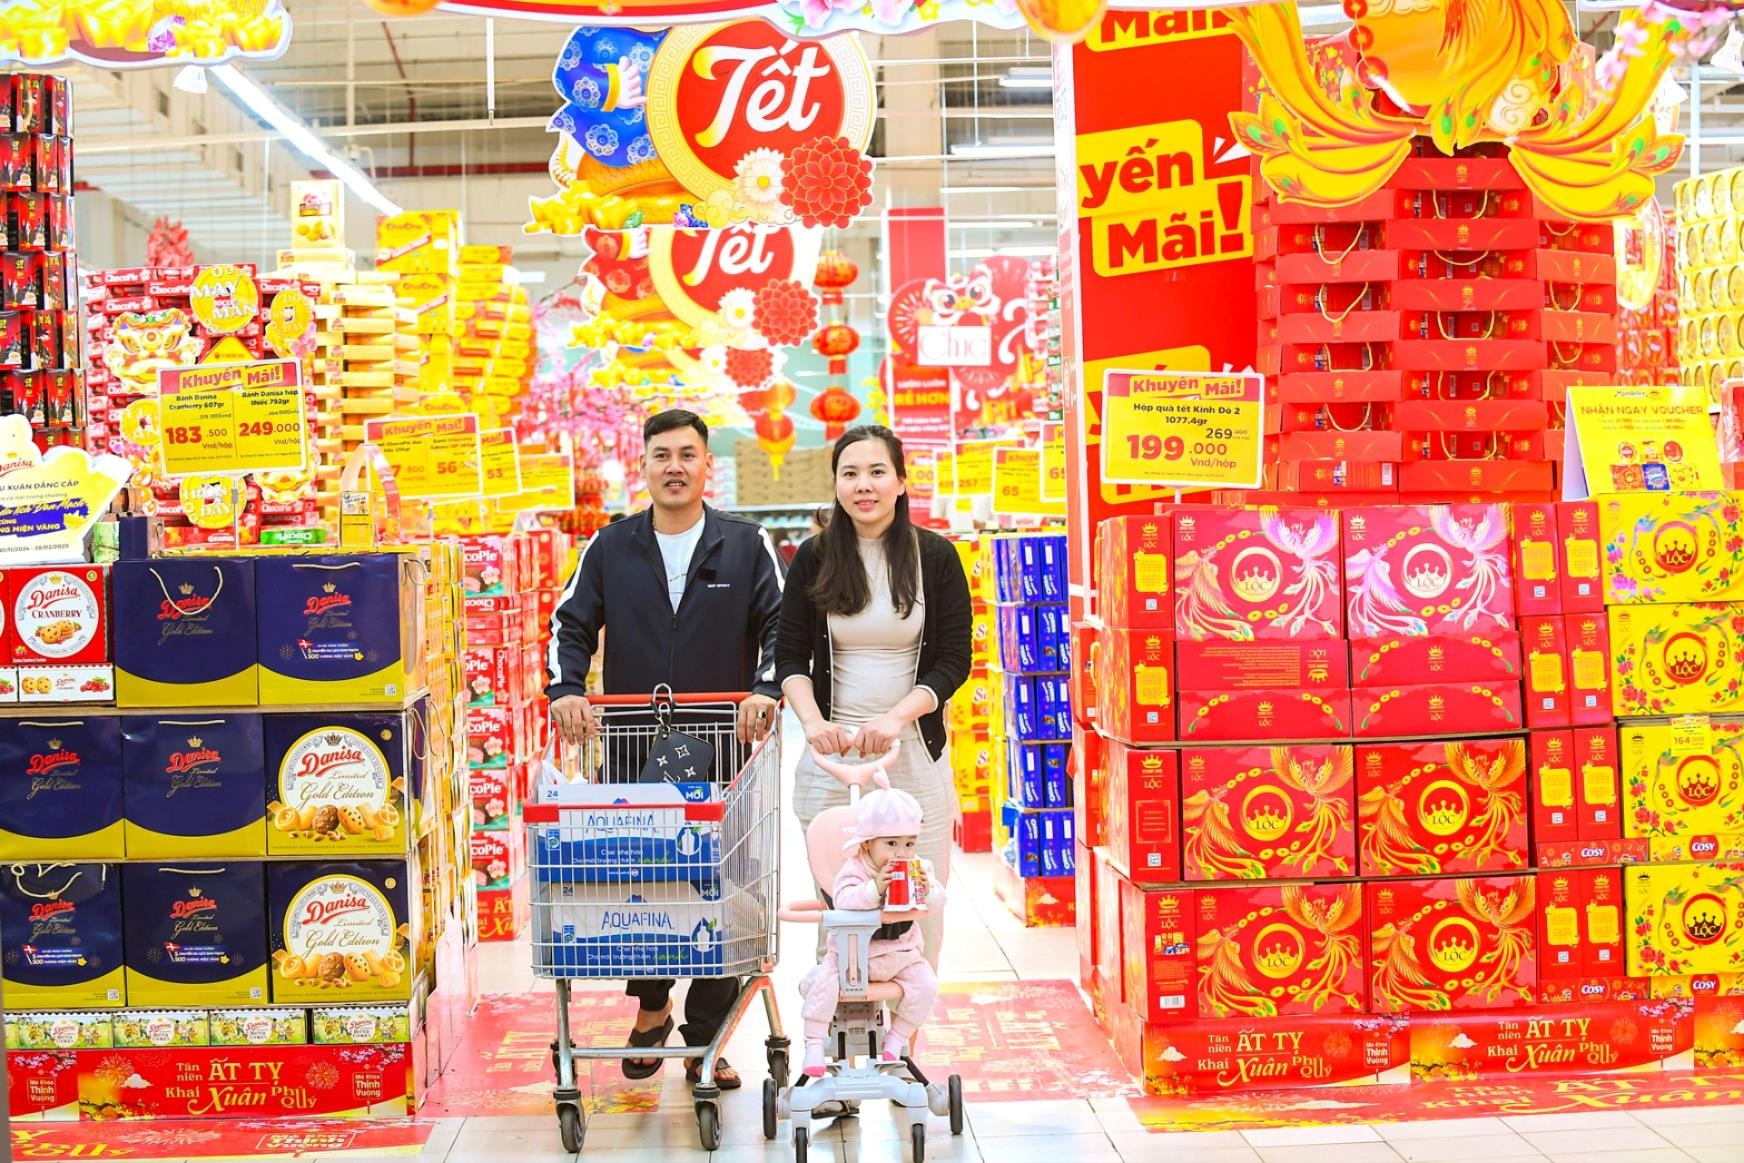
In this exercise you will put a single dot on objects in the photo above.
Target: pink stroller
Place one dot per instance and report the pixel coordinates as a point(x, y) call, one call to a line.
point(854, 1071)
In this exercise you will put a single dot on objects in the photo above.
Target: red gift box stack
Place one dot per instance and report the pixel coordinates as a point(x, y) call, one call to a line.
point(512, 583)
point(1422, 341)
point(1385, 875)
point(40, 376)
point(140, 321)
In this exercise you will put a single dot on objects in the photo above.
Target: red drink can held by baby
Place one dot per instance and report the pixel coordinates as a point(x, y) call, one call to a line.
point(897, 896)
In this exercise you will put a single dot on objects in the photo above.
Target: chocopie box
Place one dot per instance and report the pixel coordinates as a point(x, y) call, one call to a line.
point(185, 632)
point(337, 783)
point(61, 930)
point(340, 628)
point(196, 933)
point(60, 789)
point(60, 615)
point(193, 786)
point(339, 931)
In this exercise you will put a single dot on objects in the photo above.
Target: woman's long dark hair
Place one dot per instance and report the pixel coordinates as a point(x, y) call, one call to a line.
point(842, 586)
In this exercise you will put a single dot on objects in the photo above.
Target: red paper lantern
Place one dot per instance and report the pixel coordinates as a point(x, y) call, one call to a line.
point(835, 271)
point(836, 342)
point(836, 408)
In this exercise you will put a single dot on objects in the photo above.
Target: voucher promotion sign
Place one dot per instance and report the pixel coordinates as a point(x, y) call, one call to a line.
point(1632, 440)
point(1183, 429)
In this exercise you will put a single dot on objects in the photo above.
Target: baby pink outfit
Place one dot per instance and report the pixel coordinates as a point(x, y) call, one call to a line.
point(901, 960)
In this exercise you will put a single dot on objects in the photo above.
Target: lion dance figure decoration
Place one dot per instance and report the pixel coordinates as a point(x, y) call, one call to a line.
point(1337, 117)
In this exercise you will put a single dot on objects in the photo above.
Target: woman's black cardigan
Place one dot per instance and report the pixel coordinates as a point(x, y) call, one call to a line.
point(803, 643)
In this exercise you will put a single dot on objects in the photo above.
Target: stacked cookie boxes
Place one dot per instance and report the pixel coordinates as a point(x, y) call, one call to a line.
point(40, 350)
point(1676, 617)
point(1317, 789)
point(493, 338)
point(421, 248)
point(1710, 280)
point(55, 642)
point(1032, 789)
point(140, 320)
point(973, 714)
point(1422, 340)
point(167, 809)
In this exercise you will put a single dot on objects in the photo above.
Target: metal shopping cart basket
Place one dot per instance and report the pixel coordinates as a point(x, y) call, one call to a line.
point(668, 879)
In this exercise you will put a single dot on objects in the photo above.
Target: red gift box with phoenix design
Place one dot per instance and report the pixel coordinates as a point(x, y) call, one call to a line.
point(1467, 943)
point(1247, 574)
point(1419, 570)
point(1267, 813)
point(1424, 809)
point(1280, 950)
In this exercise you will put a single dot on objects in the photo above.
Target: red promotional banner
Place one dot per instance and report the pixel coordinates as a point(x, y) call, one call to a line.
point(1156, 209)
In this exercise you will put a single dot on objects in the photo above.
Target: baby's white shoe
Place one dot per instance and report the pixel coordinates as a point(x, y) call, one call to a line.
point(895, 1048)
point(814, 1060)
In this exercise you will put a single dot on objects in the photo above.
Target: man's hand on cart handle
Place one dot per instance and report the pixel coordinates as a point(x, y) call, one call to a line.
point(756, 718)
point(575, 718)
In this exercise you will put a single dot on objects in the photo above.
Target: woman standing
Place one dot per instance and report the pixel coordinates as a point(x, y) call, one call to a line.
point(875, 638)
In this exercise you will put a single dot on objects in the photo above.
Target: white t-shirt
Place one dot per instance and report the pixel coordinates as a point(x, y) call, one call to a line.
point(676, 550)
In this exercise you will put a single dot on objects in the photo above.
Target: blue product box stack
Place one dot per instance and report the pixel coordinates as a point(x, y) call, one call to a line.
point(1035, 663)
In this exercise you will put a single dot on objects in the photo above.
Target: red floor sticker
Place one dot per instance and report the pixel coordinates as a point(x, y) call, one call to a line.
point(1008, 1041)
point(1357, 1105)
point(253, 1138)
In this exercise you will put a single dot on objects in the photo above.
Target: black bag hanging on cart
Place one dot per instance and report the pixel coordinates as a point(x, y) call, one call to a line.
point(675, 757)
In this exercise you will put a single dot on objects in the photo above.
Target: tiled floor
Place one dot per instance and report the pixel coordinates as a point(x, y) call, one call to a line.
point(986, 944)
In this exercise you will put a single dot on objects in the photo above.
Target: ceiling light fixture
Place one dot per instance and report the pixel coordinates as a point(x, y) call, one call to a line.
point(1027, 77)
point(1001, 149)
point(1015, 251)
point(301, 138)
point(190, 79)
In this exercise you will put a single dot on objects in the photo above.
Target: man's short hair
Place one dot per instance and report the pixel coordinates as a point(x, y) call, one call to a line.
point(671, 419)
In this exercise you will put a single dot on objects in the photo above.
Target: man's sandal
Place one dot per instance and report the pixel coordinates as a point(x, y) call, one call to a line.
point(638, 1069)
point(725, 1076)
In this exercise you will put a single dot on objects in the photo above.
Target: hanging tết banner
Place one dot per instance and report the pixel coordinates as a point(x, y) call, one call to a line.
point(129, 34)
point(799, 19)
point(1631, 440)
point(707, 125)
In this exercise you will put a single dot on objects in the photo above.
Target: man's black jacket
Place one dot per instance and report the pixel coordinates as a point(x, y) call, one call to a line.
point(721, 639)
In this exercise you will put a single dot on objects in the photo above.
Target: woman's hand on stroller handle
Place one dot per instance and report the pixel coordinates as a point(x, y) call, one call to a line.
point(857, 774)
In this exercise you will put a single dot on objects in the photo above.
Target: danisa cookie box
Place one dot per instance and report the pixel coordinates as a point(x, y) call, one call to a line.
point(193, 786)
point(337, 784)
point(337, 629)
point(61, 788)
point(339, 932)
point(185, 633)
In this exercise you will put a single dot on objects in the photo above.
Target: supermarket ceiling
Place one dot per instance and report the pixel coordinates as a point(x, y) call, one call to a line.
point(450, 110)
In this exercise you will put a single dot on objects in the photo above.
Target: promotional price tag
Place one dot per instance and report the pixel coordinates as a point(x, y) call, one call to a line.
point(974, 468)
point(1632, 440)
point(232, 418)
point(431, 456)
point(945, 474)
point(1017, 485)
point(1182, 429)
point(501, 461)
point(1054, 463)
point(547, 482)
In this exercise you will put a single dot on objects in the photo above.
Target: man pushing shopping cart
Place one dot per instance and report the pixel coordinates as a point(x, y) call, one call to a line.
point(689, 599)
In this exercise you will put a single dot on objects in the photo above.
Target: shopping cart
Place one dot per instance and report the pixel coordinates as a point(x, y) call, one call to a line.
point(679, 880)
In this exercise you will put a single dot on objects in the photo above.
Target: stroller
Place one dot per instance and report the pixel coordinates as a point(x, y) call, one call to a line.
point(854, 1072)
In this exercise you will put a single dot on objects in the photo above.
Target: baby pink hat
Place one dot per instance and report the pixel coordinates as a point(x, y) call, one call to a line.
point(884, 811)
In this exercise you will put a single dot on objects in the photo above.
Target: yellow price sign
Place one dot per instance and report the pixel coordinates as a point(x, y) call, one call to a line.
point(501, 461)
point(231, 418)
point(225, 299)
point(1054, 462)
point(945, 475)
point(1183, 429)
point(1017, 485)
point(1633, 440)
point(547, 483)
point(922, 470)
point(431, 456)
point(974, 467)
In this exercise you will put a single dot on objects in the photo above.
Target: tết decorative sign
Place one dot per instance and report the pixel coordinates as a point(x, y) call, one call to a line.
point(49, 502)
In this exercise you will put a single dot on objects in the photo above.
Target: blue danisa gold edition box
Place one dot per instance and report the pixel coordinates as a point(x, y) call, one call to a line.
point(341, 628)
point(186, 633)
